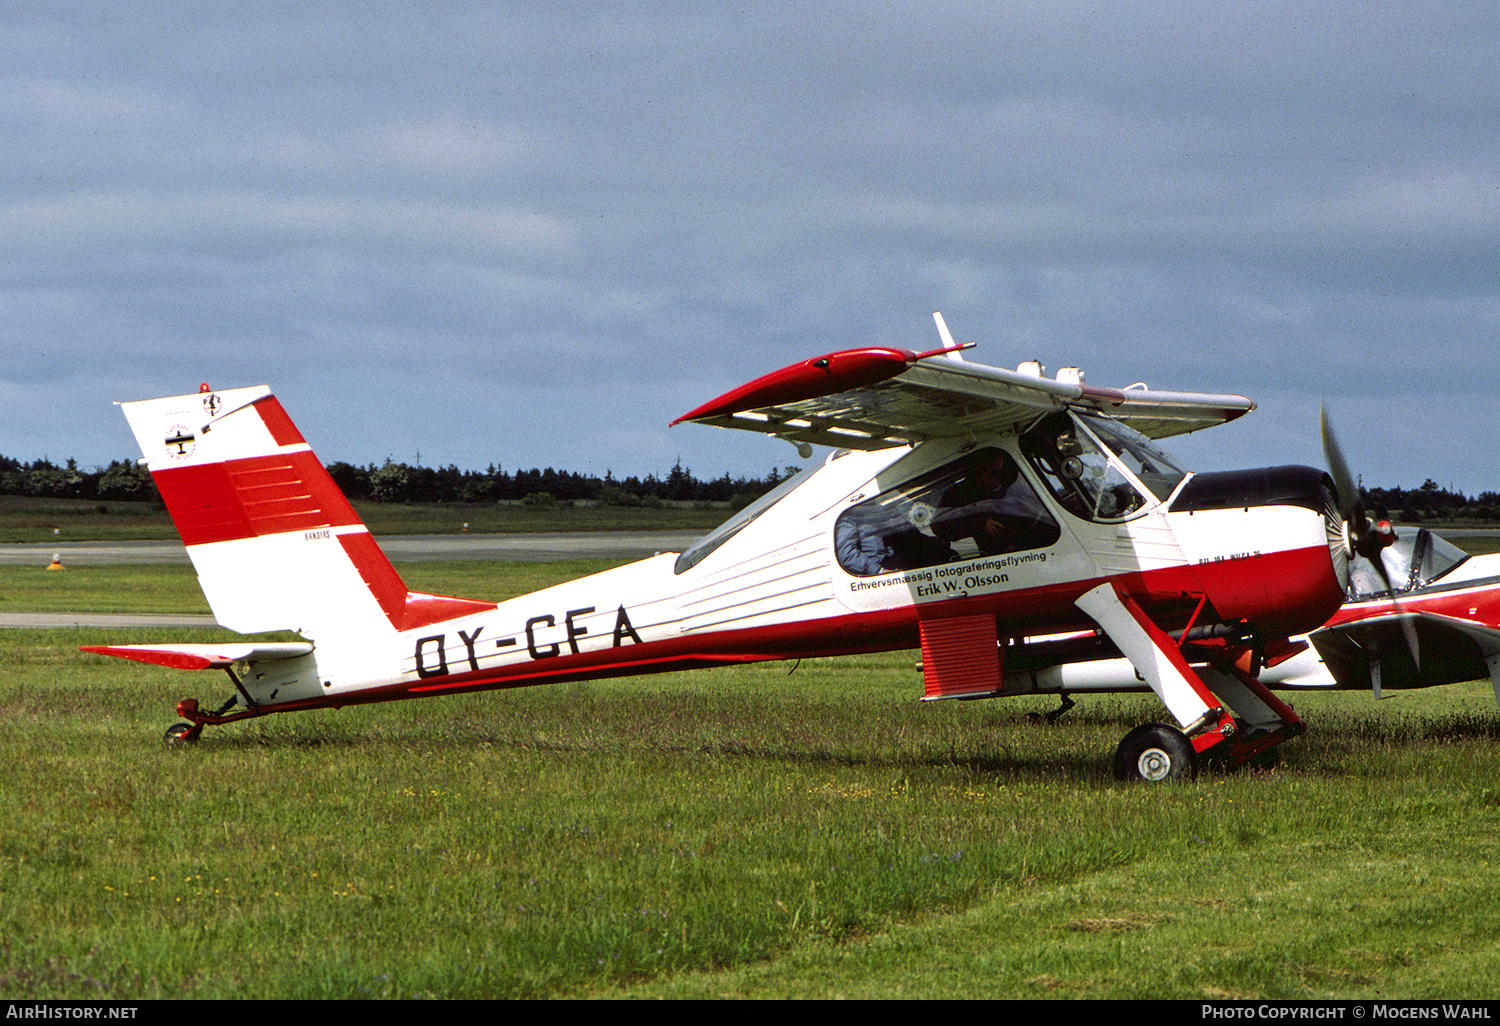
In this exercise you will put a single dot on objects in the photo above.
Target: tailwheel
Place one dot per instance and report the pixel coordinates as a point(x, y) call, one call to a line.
point(1155, 752)
point(181, 734)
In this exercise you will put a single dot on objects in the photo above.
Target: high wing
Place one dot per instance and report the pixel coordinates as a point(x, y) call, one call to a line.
point(1373, 652)
point(878, 397)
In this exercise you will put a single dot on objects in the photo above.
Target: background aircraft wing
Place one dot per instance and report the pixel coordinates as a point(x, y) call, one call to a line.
point(878, 397)
point(1453, 650)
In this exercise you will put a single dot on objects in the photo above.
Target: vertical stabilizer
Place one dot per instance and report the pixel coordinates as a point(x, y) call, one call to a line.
point(275, 543)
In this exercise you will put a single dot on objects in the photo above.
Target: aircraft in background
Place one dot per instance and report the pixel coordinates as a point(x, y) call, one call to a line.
point(964, 507)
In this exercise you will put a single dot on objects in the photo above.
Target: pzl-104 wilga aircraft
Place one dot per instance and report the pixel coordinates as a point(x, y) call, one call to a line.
point(965, 509)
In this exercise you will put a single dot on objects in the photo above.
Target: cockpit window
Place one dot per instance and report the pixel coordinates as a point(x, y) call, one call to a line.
point(976, 505)
point(1141, 456)
point(1075, 463)
point(1414, 560)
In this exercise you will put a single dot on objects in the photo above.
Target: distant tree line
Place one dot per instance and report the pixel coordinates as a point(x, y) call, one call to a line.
point(125, 480)
point(122, 480)
point(1430, 501)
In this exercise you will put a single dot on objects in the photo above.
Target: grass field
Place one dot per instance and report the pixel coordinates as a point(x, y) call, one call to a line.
point(776, 830)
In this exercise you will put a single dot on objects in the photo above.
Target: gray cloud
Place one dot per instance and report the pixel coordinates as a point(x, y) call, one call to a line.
point(533, 237)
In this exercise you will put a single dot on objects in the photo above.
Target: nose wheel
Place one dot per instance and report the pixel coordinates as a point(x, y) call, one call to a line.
point(1155, 752)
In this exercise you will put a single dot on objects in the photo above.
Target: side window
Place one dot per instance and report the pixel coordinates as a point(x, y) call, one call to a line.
point(978, 505)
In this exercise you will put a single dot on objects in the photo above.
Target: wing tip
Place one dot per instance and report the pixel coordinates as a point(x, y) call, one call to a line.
point(810, 379)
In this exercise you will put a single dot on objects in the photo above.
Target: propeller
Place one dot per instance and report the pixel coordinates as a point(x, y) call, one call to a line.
point(1361, 536)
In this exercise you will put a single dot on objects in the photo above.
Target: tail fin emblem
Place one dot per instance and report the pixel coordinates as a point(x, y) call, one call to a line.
point(181, 442)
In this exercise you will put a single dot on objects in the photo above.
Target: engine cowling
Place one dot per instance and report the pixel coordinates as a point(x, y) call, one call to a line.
point(1268, 546)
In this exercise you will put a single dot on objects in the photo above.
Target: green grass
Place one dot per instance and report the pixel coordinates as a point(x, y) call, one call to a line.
point(53, 521)
point(173, 588)
point(154, 588)
point(758, 831)
point(747, 831)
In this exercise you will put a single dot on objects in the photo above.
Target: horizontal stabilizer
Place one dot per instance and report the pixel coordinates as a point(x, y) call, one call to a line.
point(204, 657)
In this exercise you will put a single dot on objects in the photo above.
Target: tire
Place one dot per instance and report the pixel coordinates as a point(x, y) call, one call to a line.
point(1155, 753)
point(179, 734)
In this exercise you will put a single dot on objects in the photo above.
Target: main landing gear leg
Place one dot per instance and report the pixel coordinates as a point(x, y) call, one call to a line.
point(1157, 751)
point(1269, 720)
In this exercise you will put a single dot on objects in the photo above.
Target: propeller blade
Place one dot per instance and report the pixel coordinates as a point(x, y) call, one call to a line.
point(1366, 539)
point(1407, 627)
point(1343, 481)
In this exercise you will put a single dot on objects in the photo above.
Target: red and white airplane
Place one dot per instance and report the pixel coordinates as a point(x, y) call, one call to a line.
point(966, 508)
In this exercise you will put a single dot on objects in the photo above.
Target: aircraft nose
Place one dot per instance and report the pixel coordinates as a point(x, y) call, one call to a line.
point(1276, 553)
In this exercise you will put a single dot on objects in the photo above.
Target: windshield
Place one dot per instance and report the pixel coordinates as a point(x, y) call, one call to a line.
point(1141, 456)
point(1414, 560)
point(1076, 465)
point(737, 523)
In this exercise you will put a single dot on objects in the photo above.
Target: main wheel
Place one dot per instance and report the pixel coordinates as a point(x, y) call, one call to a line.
point(1155, 752)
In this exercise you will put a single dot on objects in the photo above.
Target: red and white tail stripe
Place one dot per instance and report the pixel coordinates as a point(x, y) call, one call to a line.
point(275, 543)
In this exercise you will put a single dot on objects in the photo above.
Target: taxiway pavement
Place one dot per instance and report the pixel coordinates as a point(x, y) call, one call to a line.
point(539, 547)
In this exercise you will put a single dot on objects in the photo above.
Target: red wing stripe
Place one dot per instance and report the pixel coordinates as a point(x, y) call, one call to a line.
point(172, 660)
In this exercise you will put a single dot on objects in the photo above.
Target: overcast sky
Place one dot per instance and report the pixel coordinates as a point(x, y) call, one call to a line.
point(533, 234)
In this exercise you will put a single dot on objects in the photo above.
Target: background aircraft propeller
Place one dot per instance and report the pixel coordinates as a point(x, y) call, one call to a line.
point(1361, 536)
